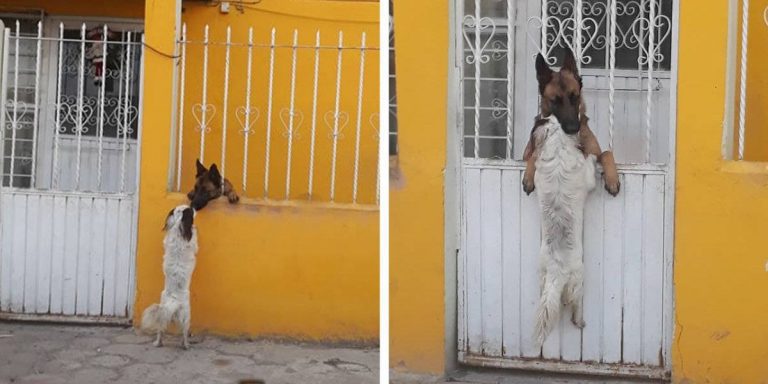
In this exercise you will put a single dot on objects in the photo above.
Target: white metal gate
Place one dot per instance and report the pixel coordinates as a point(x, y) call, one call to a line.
point(626, 50)
point(71, 108)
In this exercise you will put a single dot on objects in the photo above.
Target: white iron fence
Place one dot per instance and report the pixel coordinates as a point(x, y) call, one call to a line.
point(270, 109)
point(72, 107)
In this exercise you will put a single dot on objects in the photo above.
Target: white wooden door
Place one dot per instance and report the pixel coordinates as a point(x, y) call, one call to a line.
point(68, 208)
point(627, 239)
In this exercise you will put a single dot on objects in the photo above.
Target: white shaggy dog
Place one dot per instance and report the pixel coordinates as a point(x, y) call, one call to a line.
point(563, 179)
point(180, 246)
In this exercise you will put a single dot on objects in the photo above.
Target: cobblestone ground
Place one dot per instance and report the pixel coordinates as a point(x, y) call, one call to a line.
point(54, 354)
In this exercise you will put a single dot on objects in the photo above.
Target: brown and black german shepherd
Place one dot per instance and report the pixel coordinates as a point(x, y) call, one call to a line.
point(209, 185)
point(561, 95)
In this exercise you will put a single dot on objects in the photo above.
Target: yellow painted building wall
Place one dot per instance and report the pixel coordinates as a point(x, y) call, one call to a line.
point(305, 271)
point(721, 331)
point(417, 311)
point(721, 211)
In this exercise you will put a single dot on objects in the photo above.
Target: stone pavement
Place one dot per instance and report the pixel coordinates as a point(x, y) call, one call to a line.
point(53, 354)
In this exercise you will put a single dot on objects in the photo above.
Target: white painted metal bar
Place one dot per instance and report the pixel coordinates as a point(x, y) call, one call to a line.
point(79, 125)
point(126, 112)
point(247, 126)
point(36, 110)
point(743, 77)
point(15, 119)
point(225, 109)
point(182, 94)
point(336, 117)
point(269, 113)
point(651, 60)
point(56, 140)
point(204, 106)
point(359, 117)
point(477, 79)
point(544, 20)
point(578, 25)
point(314, 116)
point(611, 72)
point(511, 15)
point(104, 51)
point(291, 116)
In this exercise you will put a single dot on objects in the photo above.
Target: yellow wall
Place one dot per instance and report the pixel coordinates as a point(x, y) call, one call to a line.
point(721, 210)
point(416, 199)
point(300, 271)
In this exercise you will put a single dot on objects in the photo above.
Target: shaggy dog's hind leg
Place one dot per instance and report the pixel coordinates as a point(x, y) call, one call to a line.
point(574, 293)
point(159, 339)
point(184, 319)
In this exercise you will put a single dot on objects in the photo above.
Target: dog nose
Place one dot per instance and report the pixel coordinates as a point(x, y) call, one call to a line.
point(571, 127)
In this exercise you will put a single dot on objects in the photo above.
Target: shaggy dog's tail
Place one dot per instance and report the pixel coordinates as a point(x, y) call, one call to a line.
point(157, 316)
point(548, 313)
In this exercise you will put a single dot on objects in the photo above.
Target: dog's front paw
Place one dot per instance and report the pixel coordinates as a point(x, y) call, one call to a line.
point(612, 185)
point(528, 185)
point(578, 321)
point(185, 345)
point(233, 198)
point(157, 343)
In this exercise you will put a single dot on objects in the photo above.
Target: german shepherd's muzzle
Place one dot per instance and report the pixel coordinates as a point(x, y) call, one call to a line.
point(561, 96)
point(209, 185)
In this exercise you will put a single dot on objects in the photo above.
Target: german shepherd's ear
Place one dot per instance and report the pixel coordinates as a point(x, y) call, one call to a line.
point(214, 175)
point(543, 72)
point(200, 168)
point(569, 64)
point(187, 219)
point(168, 218)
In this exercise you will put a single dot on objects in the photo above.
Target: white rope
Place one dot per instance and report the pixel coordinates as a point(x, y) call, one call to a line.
point(58, 109)
point(80, 91)
point(104, 51)
point(314, 115)
point(180, 147)
point(336, 118)
point(269, 114)
point(743, 75)
point(247, 125)
point(359, 118)
point(291, 114)
point(225, 112)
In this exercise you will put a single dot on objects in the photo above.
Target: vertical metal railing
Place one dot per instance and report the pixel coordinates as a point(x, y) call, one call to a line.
point(74, 111)
point(292, 73)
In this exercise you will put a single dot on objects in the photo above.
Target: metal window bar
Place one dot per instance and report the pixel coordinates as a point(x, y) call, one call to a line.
point(606, 38)
point(73, 111)
point(296, 67)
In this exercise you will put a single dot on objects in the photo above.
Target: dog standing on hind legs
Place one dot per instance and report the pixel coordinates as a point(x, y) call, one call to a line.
point(180, 244)
point(561, 158)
